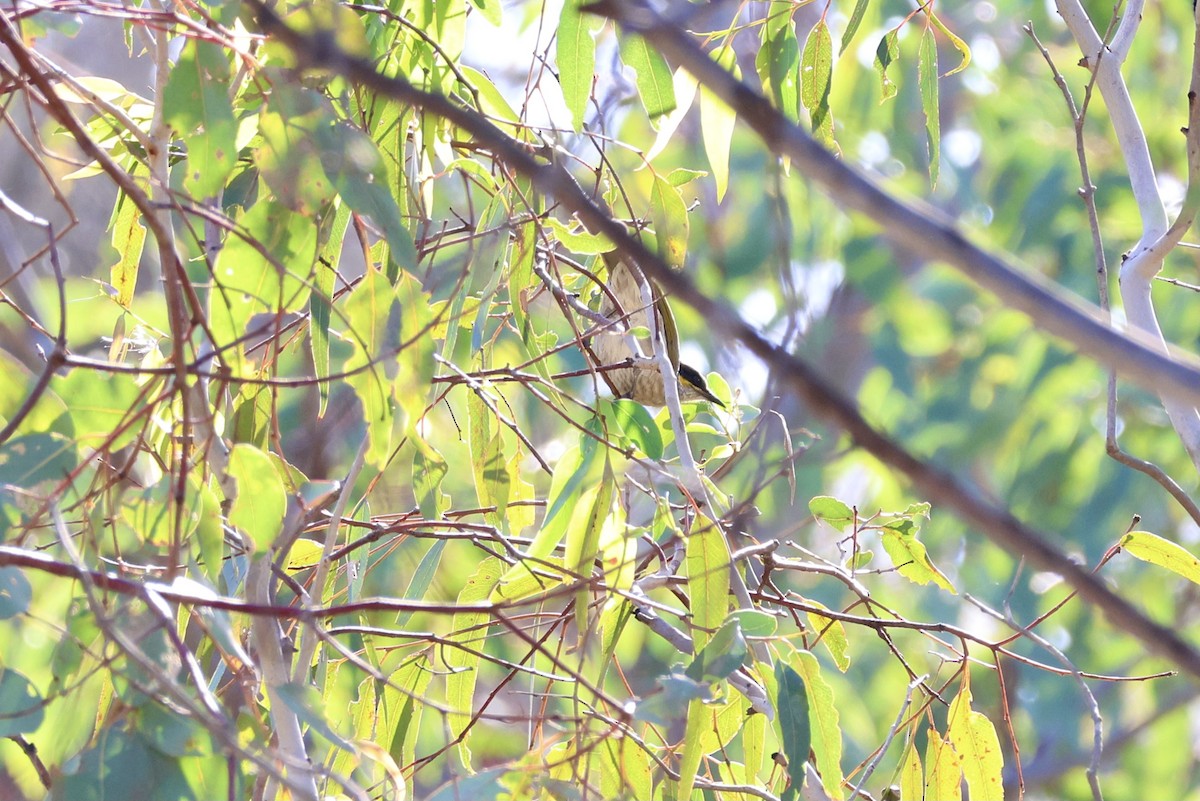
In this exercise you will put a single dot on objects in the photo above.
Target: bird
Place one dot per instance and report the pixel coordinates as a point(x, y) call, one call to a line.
point(642, 382)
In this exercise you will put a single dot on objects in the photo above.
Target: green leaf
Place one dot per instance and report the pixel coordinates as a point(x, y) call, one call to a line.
point(693, 735)
point(724, 654)
point(34, 458)
point(831, 510)
point(15, 592)
point(575, 55)
point(415, 362)
point(261, 502)
point(910, 558)
point(373, 316)
point(708, 578)
point(491, 10)
point(886, 54)
point(824, 724)
point(927, 77)
point(717, 122)
point(487, 459)
point(21, 705)
point(196, 103)
point(580, 242)
point(264, 271)
point(289, 157)
point(653, 75)
point(429, 469)
point(305, 701)
point(469, 630)
point(833, 634)
point(583, 541)
point(778, 66)
point(958, 43)
point(304, 553)
point(912, 776)
point(400, 718)
point(974, 739)
point(795, 730)
point(1164, 553)
point(816, 80)
point(637, 425)
point(856, 18)
point(669, 213)
point(356, 169)
point(320, 301)
point(422, 578)
point(755, 623)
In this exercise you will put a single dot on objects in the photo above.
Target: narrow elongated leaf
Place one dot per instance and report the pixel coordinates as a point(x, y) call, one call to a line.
point(833, 635)
point(1164, 553)
point(429, 469)
point(943, 776)
point(795, 728)
point(816, 80)
point(355, 167)
point(698, 721)
point(373, 314)
point(927, 77)
point(856, 18)
point(320, 302)
point(575, 55)
point(653, 75)
point(717, 123)
point(669, 213)
point(974, 739)
point(912, 776)
point(467, 629)
point(955, 40)
point(778, 66)
point(128, 239)
point(684, 86)
point(583, 541)
point(824, 722)
point(487, 459)
point(708, 579)
point(422, 578)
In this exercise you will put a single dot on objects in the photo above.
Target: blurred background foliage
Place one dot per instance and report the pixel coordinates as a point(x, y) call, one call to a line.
point(944, 368)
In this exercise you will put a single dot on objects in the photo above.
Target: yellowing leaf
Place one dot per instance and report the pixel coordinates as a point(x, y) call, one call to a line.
point(304, 553)
point(943, 776)
point(912, 777)
point(832, 634)
point(1164, 553)
point(974, 739)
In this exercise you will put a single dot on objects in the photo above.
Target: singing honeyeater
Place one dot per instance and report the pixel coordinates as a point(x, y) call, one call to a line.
point(643, 381)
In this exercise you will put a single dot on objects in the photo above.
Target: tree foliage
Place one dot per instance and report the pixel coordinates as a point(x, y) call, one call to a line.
point(311, 484)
